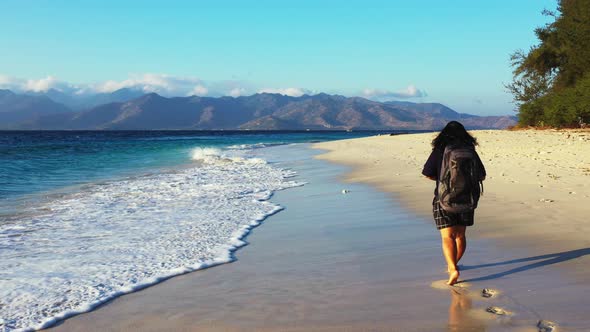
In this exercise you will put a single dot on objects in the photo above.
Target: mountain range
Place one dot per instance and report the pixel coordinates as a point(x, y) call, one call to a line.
point(131, 110)
point(82, 101)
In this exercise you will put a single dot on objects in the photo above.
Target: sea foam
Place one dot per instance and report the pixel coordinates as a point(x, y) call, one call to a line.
point(68, 255)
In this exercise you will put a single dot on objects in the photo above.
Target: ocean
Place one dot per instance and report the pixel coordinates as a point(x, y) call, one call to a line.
point(87, 216)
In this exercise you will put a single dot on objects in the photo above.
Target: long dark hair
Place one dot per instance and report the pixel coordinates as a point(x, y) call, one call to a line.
point(453, 133)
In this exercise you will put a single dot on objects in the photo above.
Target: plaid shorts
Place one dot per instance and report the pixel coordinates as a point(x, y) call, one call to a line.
point(444, 219)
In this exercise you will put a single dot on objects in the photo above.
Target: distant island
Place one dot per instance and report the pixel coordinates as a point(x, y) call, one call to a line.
point(128, 110)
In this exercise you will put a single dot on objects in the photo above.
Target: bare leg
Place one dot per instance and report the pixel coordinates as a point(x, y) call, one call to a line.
point(449, 248)
point(461, 242)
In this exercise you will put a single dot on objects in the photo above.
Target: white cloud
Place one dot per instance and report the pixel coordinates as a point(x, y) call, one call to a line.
point(198, 90)
point(163, 84)
point(41, 85)
point(34, 85)
point(236, 92)
point(410, 92)
point(7, 82)
point(166, 85)
point(160, 83)
point(293, 92)
point(110, 86)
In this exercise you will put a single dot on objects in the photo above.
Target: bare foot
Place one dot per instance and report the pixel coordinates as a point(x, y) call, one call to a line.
point(453, 277)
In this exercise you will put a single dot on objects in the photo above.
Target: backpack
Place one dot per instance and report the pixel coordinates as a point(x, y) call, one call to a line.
point(459, 179)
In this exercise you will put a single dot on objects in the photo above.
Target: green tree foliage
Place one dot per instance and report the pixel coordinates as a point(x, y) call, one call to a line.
point(551, 84)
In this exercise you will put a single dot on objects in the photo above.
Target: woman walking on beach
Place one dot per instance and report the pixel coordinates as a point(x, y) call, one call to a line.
point(457, 189)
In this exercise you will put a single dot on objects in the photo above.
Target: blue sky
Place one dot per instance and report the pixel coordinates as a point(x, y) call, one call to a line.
point(453, 52)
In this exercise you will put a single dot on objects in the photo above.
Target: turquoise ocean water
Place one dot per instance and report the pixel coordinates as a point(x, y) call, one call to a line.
point(88, 216)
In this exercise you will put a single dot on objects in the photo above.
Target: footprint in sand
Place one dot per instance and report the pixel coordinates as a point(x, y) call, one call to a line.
point(546, 326)
point(504, 315)
point(498, 311)
point(488, 292)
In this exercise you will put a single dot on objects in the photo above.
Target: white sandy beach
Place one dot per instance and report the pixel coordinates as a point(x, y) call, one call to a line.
point(537, 189)
point(536, 199)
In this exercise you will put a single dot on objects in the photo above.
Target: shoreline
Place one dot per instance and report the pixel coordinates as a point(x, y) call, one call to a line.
point(342, 262)
point(301, 270)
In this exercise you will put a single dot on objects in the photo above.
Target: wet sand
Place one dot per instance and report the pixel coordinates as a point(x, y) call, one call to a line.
point(350, 262)
point(535, 203)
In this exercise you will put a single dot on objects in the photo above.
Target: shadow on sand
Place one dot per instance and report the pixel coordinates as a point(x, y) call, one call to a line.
point(548, 259)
